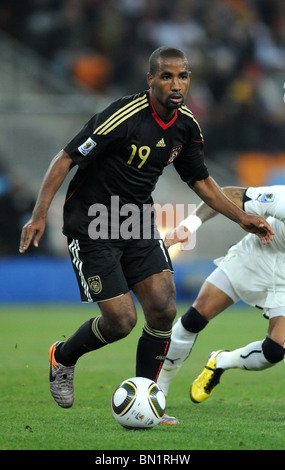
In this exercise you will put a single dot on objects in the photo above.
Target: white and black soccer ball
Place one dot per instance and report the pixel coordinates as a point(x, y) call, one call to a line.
point(138, 403)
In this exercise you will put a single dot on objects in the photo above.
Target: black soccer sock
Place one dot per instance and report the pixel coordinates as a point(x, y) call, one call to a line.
point(87, 338)
point(193, 321)
point(151, 352)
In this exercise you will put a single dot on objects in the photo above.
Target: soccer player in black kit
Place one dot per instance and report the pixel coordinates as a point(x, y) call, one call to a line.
point(120, 153)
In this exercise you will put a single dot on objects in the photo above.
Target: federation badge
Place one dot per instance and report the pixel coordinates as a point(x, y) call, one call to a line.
point(88, 145)
point(267, 197)
point(95, 284)
point(174, 153)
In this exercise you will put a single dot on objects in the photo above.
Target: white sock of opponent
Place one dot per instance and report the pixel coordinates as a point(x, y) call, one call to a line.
point(250, 357)
point(180, 347)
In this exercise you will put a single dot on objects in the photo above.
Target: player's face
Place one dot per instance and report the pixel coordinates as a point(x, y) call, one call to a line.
point(169, 85)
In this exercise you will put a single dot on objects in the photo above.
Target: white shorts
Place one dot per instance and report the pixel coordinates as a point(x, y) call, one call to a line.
point(220, 280)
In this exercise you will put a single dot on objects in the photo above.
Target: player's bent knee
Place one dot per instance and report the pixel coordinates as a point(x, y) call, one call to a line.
point(123, 332)
point(272, 351)
point(124, 326)
point(171, 311)
point(118, 326)
point(162, 315)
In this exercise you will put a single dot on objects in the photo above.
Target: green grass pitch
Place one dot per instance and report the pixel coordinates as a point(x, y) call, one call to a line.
point(246, 412)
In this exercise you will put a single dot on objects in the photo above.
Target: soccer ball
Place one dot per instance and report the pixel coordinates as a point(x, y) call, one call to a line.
point(138, 403)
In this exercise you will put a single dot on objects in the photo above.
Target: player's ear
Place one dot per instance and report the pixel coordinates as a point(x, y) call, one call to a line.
point(149, 79)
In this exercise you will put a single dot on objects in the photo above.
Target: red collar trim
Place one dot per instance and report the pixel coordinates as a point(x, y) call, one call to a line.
point(159, 120)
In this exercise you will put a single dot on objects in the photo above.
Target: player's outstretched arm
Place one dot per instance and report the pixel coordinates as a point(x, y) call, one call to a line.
point(204, 212)
point(52, 181)
point(212, 194)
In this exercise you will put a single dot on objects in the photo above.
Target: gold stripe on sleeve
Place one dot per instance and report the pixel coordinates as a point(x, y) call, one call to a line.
point(186, 111)
point(121, 115)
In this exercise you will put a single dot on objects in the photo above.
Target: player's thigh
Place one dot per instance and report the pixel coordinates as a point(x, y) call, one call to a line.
point(211, 301)
point(156, 294)
point(276, 330)
point(148, 270)
point(144, 257)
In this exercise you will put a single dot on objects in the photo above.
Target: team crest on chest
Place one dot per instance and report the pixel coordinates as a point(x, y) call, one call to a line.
point(95, 284)
point(174, 153)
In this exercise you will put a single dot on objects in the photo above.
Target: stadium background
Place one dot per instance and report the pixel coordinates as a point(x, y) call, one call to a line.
point(61, 61)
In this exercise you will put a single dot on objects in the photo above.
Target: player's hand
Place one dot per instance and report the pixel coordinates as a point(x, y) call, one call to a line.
point(32, 229)
point(178, 234)
point(259, 226)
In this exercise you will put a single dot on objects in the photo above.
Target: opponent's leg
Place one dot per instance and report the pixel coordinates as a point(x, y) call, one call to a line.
point(210, 302)
point(258, 355)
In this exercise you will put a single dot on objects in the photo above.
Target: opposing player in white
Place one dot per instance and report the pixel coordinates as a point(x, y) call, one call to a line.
point(250, 271)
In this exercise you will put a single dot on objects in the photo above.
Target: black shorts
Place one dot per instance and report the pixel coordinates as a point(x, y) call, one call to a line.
point(109, 268)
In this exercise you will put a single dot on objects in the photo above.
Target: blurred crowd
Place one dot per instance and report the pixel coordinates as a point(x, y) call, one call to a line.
point(236, 50)
point(16, 205)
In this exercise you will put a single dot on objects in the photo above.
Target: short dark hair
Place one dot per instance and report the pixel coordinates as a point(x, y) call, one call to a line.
point(164, 52)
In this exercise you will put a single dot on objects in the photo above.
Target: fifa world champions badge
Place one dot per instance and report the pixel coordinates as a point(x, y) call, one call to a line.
point(87, 146)
point(267, 197)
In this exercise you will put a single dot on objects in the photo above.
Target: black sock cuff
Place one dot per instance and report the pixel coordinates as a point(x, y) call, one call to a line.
point(273, 352)
point(86, 338)
point(94, 323)
point(156, 334)
point(193, 321)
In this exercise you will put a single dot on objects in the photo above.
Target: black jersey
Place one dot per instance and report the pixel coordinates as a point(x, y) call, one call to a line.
point(122, 151)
